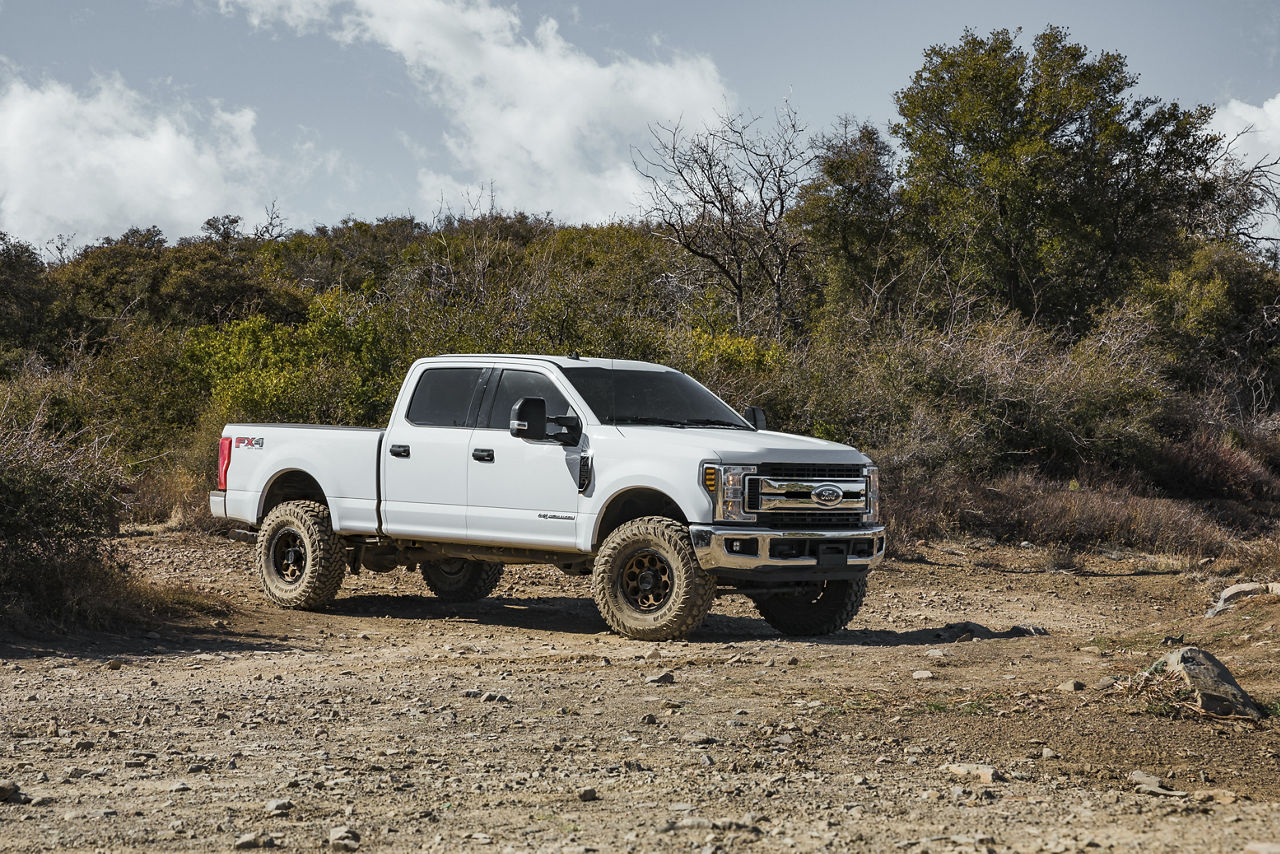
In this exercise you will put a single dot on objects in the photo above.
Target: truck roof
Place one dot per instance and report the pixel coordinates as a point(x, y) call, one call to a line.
point(561, 361)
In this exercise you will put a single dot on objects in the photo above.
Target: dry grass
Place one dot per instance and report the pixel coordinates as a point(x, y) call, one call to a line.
point(1025, 506)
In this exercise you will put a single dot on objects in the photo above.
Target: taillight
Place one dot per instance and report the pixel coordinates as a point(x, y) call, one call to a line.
point(224, 461)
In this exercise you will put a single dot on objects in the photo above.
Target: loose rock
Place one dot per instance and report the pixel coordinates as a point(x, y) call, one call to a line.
point(1240, 591)
point(1262, 848)
point(969, 771)
point(1216, 690)
point(1149, 784)
point(255, 840)
point(280, 806)
point(588, 794)
point(343, 838)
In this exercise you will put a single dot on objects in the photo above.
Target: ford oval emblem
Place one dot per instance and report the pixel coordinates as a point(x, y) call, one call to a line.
point(827, 495)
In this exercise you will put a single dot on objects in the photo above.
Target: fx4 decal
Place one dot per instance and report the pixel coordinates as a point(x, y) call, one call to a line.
point(247, 442)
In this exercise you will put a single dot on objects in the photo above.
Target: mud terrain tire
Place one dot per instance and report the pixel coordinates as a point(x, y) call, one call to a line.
point(647, 582)
point(460, 580)
point(816, 610)
point(299, 557)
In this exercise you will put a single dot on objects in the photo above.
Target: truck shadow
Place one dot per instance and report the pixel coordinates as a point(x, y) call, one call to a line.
point(170, 639)
point(574, 615)
point(722, 629)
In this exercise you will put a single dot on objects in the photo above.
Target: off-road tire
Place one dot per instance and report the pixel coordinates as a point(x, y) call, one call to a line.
point(688, 590)
point(817, 610)
point(312, 578)
point(460, 580)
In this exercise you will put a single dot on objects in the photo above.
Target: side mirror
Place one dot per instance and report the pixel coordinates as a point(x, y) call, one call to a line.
point(529, 418)
point(755, 417)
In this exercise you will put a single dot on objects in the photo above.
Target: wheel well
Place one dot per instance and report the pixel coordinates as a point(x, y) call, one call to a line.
point(633, 504)
point(291, 486)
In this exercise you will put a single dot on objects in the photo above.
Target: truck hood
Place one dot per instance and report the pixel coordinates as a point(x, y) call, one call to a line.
point(746, 447)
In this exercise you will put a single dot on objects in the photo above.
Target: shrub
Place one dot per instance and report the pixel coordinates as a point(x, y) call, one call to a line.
point(1024, 505)
point(984, 396)
point(58, 504)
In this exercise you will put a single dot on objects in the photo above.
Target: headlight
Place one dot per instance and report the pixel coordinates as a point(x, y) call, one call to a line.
point(873, 494)
point(728, 488)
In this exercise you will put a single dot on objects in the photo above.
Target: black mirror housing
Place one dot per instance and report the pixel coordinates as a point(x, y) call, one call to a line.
point(755, 417)
point(572, 431)
point(529, 418)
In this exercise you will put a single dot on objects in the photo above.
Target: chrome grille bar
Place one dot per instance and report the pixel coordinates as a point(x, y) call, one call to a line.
point(769, 494)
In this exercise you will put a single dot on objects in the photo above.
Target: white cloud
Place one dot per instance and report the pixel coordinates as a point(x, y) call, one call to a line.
point(550, 127)
point(94, 164)
point(1264, 139)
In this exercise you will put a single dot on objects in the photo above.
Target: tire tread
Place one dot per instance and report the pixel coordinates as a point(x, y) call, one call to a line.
point(327, 563)
point(484, 579)
point(796, 618)
point(696, 597)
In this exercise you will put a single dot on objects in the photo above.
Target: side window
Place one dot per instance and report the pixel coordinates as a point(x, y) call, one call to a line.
point(517, 384)
point(443, 397)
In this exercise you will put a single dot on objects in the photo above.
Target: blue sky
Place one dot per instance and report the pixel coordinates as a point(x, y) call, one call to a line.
point(139, 112)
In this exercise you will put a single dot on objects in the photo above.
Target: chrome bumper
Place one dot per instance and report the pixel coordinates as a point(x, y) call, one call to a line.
point(720, 550)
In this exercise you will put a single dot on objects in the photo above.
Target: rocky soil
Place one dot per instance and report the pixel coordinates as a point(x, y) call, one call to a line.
point(396, 722)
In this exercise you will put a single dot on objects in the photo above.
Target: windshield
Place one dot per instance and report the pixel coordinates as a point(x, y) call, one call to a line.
point(666, 397)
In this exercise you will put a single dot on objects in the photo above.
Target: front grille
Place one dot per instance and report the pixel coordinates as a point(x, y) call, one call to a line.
point(791, 520)
point(809, 471)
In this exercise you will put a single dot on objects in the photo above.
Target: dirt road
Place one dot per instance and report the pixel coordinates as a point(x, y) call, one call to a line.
point(519, 723)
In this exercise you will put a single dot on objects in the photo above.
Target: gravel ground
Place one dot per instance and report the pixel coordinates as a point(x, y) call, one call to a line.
point(394, 721)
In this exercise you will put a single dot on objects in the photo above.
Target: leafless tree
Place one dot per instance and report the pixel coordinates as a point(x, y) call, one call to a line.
point(724, 195)
point(1246, 204)
point(273, 227)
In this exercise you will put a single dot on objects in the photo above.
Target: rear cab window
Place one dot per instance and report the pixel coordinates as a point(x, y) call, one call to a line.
point(446, 397)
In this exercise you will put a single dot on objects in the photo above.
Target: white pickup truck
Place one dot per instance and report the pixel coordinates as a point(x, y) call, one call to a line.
point(631, 472)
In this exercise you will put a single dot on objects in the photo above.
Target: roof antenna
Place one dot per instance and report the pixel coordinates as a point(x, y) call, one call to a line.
point(574, 355)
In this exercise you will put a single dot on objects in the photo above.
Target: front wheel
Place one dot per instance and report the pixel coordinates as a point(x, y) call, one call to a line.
point(299, 556)
point(461, 580)
point(814, 609)
point(647, 582)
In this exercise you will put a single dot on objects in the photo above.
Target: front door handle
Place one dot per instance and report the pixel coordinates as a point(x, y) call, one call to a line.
point(400, 451)
point(484, 455)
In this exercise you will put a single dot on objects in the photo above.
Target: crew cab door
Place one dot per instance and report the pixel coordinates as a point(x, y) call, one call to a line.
point(425, 455)
point(520, 491)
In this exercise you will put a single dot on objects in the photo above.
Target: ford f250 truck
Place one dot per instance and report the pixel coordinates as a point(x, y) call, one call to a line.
point(630, 472)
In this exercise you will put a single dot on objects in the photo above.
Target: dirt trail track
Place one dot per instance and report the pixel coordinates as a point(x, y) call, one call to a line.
point(421, 725)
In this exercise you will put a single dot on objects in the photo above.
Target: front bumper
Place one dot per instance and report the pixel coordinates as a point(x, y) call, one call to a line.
point(767, 554)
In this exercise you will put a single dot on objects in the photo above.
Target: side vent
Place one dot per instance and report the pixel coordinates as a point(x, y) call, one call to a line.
point(584, 472)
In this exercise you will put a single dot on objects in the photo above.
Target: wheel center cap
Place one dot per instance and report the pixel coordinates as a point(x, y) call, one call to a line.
point(647, 580)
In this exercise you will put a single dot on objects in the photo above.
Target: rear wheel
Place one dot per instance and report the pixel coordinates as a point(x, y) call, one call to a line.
point(299, 557)
point(647, 582)
point(461, 580)
point(814, 609)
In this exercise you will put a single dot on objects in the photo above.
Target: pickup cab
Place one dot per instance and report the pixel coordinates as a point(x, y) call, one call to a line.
point(630, 472)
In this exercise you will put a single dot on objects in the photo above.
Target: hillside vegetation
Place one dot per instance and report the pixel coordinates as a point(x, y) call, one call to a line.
point(1047, 306)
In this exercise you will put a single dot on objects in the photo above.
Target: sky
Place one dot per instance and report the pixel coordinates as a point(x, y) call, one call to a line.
point(123, 113)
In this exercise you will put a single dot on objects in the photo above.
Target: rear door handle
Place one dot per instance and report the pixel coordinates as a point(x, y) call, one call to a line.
point(484, 455)
point(400, 450)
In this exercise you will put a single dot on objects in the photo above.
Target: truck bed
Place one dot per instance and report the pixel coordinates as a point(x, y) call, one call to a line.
point(342, 460)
